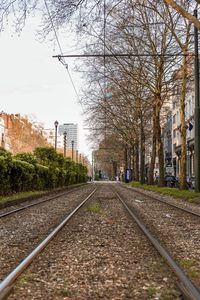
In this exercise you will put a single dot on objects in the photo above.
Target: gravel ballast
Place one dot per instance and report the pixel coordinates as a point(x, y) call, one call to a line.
point(21, 232)
point(177, 231)
point(98, 255)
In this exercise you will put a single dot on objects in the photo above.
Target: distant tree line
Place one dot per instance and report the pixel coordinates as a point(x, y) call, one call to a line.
point(44, 169)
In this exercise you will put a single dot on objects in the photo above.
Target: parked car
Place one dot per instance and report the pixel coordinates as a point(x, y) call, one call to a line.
point(170, 181)
point(191, 182)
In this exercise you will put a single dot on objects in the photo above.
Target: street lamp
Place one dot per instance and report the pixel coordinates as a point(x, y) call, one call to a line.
point(72, 150)
point(56, 128)
point(65, 137)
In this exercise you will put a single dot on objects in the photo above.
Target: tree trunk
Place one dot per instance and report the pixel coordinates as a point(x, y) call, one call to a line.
point(160, 151)
point(133, 162)
point(141, 150)
point(137, 158)
point(183, 184)
point(143, 153)
point(153, 154)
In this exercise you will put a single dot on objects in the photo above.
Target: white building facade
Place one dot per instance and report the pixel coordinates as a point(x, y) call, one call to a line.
point(71, 130)
point(2, 132)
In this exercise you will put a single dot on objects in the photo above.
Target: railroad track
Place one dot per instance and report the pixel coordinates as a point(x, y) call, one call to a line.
point(185, 285)
point(163, 201)
point(13, 211)
point(188, 289)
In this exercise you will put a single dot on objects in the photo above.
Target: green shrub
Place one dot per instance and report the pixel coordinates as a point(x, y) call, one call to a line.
point(5, 169)
point(5, 153)
point(45, 169)
point(62, 177)
point(28, 157)
point(72, 177)
point(22, 175)
point(41, 177)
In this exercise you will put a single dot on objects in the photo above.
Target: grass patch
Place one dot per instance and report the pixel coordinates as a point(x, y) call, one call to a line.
point(193, 274)
point(65, 291)
point(94, 207)
point(151, 291)
point(31, 193)
point(169, 295)
point(165, 294)
point(159, 265)
point(20, 195)
point(25, 279)
point(188, 263)
point(188, 195)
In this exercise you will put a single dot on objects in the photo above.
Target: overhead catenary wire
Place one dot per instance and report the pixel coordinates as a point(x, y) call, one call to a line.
point(60, 48)
point(121, 55)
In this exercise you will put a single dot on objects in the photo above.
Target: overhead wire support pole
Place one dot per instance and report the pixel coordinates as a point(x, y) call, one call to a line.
point(104, 44)
point(197, 112)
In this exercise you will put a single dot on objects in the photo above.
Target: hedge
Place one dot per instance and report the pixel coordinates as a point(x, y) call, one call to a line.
point(5, 169)
point(22, 175)
point(45, 169)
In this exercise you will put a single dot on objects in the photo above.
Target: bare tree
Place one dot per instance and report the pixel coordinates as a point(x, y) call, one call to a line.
point(181, 10)
point(181, 31)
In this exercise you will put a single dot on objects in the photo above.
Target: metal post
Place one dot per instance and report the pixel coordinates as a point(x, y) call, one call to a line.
point(197, 112)
point(125, 164)
point(92, 165)
point(72, 150)
point(80, 158)
point(56, 128)
point(141, 151)
point(77, 156)
point(130, 165)
point(65, 137)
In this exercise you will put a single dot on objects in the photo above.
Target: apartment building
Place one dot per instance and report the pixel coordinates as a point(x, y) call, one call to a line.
point(71, 130)
point(172, 125)
point(6, 123)
point(2, 132)
point(49, 134)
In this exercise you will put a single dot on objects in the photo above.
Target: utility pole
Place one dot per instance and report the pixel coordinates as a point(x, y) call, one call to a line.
point(92, 166)
point(72, 150)
point(65, 137)
point(56, 129)
point(197, 112)
point(130, 164)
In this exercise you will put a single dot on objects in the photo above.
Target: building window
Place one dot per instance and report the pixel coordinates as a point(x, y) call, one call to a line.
point(174, 133)
point(174, 119)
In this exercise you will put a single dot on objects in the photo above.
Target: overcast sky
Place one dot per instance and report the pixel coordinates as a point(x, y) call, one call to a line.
point(32, 82)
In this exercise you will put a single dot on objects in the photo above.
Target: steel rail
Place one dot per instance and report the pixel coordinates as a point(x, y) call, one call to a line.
point(8, 281)
point(186, 285)
point(36, 203)
point(165, 202)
